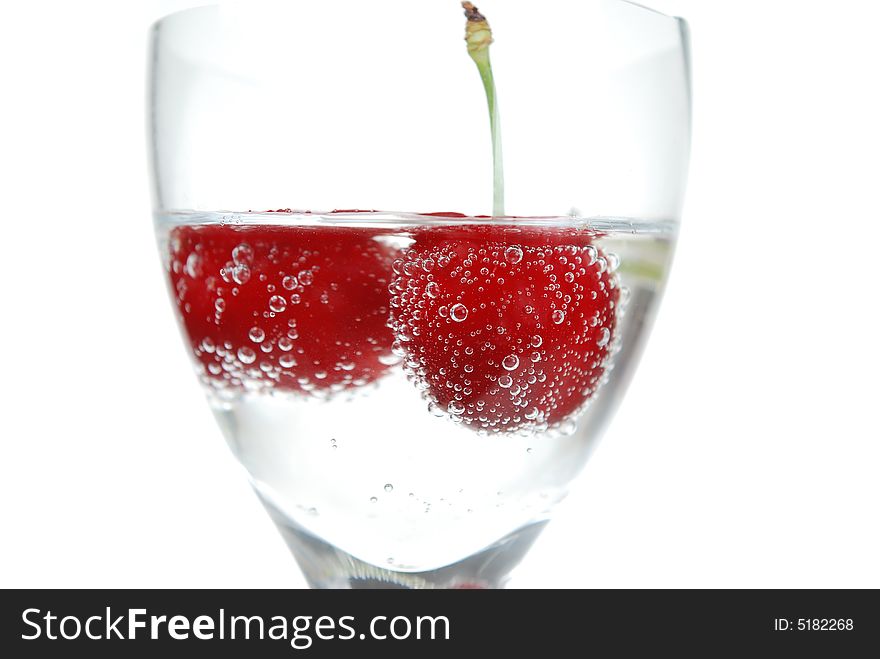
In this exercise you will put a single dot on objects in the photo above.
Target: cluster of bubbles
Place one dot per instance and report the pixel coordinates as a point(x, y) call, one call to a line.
point(500, 337)
point(519, 343)
point(271, 352)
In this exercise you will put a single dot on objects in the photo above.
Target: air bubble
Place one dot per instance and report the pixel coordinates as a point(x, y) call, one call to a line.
point(557, 317)
point(432, 290)
point(388, 487)
point(306, 277)
point(373, 499)
point(277, 303)
point(535, 356)
point(256, 335)
point(513, 255)
point(505, 381)
point(289, 282)
point(458, 313)
point(537, 341)
point(388, 359)
point(243, 254)
point(567, 428)
point(592, 253)
point(455, 407)
point(569, 277)
point(246, 355)
point(286, 361)
point(510, 363)
point(241, 274)
point(192, 265)
point(604, 337)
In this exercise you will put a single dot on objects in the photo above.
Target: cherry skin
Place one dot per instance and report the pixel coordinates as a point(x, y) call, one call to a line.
point(300, 309)
point(505, 328)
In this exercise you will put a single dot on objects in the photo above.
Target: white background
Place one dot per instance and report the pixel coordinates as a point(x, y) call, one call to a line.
point(745, 454)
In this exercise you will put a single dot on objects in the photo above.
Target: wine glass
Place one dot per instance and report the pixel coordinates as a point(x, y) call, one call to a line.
point(412, 340)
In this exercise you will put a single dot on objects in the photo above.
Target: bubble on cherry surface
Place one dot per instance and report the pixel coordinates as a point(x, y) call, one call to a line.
point(604, 337)
point(256, 334)
point(306, 277)
point(192, 265)
point(246, 355)
point(241, 274)
point(592, 254)
point(458, 313)
point(243, 254)
point(510, 363)
point(513, 255)
point(432, 289)
point(290, 282)
point(558, 317)
point(505, 381)
point(277, 303)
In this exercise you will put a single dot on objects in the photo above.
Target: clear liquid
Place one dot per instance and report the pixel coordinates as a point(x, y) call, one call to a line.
point(371, 465)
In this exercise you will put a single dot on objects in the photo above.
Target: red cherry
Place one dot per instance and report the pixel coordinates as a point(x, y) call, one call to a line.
point(505, 328)
point(300, 309)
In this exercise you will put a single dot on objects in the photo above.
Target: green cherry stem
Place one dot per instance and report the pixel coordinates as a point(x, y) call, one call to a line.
point(479, 37)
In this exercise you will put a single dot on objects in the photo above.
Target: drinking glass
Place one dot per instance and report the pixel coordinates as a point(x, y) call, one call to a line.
point(412, 341)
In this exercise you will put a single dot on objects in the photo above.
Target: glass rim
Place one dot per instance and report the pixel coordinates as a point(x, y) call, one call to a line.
point(217, 5)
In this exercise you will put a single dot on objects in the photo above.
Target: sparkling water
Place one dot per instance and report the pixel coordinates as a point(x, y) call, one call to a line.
point(321, 340)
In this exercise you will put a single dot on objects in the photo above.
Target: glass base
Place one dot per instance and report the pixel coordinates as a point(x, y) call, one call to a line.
point(326, 566)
